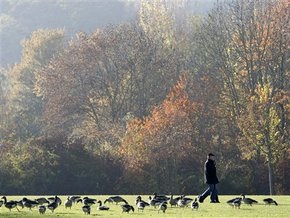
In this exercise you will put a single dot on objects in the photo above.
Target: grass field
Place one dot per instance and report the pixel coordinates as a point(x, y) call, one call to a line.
point(206, 209)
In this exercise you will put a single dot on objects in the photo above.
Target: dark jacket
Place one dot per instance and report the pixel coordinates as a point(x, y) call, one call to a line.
point(210, 172)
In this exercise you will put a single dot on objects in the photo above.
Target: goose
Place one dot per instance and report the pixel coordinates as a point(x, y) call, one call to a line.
point(160, 197)
point(154, 202)
point(89, 201)
point(41, 209)
point(173, 201)
point(237, 199)
point(1, 203)
point(194, 204)
point(237, 203)
point(139, 199)
point(29, 203)
point(87, 209)
point(183, 201)
point(249, 201)
point(163, 207)
point(127, 208)
point(52, 199)
point(42, 201)
point(9, 204)
point(270, 201)
point(75, 198)
point(187, 200)
point(115, 199)
point(68, 203)
point(52, 206)
point(102, 207)
point(141, 204)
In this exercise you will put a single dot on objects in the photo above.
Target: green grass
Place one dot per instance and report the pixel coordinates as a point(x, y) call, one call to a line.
point(206, 209)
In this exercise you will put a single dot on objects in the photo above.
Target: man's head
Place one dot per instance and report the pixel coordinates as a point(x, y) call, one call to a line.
point(210, 156)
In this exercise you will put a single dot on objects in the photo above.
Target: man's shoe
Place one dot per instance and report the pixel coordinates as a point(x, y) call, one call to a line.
point(200, 199)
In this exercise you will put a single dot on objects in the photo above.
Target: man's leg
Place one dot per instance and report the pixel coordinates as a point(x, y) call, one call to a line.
point(205, 194)
point(214, 194)
point(217, 199)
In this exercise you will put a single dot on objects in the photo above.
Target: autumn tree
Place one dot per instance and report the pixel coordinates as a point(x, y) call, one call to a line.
point(260, 43)
point(85, 88)
point(246, 42)
point(21, 112)
point(24, 107)
point(156, 21)
point(161, 148)
point(101, 77)
point(260, 125)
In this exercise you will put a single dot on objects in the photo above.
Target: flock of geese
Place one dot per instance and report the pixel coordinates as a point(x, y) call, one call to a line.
point(236, 202)
point(156, 201)
point(53, 203)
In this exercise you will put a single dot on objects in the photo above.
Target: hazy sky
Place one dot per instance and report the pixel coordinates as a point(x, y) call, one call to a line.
point(19, 18)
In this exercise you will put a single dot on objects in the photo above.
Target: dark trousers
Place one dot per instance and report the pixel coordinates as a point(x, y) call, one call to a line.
point(212, 191)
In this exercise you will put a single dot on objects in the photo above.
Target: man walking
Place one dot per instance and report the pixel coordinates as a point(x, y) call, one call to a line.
point(211, 179)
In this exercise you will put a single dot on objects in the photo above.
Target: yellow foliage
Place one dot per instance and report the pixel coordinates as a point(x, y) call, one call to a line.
point(156, 20)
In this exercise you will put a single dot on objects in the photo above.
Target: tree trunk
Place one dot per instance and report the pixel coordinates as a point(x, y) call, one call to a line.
point(270, 175)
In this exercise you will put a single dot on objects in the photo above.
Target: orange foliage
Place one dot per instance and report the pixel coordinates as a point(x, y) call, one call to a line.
point(163, 137)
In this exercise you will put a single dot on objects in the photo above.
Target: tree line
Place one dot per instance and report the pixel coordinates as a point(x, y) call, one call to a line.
point(135, 107)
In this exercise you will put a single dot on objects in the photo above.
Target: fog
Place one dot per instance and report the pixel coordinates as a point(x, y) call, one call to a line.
point(19, 18)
